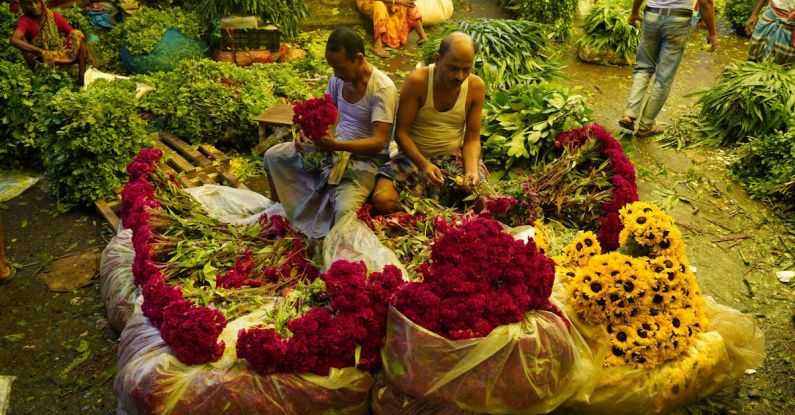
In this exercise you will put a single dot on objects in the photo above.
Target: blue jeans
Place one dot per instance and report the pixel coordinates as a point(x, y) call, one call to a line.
point(659, 53)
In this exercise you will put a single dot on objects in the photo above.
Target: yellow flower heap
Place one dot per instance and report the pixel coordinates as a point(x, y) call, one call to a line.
point(650, 306)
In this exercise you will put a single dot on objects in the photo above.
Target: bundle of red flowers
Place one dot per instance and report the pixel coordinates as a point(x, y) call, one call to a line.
point(315, 116)
point(349, 332)
point(479, 278)
point(624, 188)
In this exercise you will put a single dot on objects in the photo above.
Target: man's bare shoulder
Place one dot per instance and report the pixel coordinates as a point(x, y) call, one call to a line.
point(476, 83)
point(418, 77)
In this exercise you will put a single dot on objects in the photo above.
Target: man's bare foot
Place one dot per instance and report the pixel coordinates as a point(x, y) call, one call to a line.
point(380, 52)
point(5, 271)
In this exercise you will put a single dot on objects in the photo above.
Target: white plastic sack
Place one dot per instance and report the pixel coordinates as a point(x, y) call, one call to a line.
point(234, 206)
point(435, 11)
point(116, 279)
point(352, 240)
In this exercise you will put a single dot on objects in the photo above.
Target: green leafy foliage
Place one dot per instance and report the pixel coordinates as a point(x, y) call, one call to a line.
point(766, 168)
point(8, 22)
point(559, 14)
point(510, 52)
point(76, 18)
point(606, 28)
point(749, 99)
point(23, 93)
point(288, 82)
point(520, 126)
point(284, 14)
point(209, 102)
point(141, 31)
point(737, 13)
point(91, 136)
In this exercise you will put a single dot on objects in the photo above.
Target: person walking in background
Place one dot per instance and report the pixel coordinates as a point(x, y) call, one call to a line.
point(666, 27)
point(393, 20)
point(772, 34)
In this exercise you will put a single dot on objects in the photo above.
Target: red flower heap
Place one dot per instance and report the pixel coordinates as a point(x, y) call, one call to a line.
point(624, 187)
point(479, 278)
point(315, 116)
point(328, 337)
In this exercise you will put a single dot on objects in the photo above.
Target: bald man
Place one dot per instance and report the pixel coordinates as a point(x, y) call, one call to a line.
point(438, 127)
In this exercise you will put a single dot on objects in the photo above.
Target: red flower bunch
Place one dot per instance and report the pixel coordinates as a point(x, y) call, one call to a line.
point(624, 188)
point(315, 116)
point(239, 275)
point(327, 337)
point(192, 332)
point(479, 278)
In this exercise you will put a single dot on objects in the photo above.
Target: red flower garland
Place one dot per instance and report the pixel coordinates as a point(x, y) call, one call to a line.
point(315, 116)
point(479, 278)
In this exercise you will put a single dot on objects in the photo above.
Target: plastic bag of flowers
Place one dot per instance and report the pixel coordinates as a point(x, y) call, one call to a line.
point(116, 281)
point(665, 344)
point(479, 333)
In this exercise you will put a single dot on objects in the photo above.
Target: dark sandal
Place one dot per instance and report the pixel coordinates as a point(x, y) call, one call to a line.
point(627, 125)
point(654, 130)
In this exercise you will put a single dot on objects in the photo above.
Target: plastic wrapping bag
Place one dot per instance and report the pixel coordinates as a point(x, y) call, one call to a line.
point(116, 280)
point(389, 400)
point(150, 380)
point(351, 239)
point(731, 345)
point(232, 205)
point(529, 367)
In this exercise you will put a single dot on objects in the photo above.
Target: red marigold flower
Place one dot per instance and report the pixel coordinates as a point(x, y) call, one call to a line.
point(264, 349)
point(157, 296)
point(192, 332)
point(315, 116)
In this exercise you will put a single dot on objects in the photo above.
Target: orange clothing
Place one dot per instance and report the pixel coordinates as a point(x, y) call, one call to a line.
point(392, 23)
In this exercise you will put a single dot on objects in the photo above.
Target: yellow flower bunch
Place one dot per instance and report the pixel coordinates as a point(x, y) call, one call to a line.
point(541, 239)
point(580, 251)
point(651, 227)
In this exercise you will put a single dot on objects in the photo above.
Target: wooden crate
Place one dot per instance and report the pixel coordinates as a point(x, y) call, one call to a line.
point(191, 166)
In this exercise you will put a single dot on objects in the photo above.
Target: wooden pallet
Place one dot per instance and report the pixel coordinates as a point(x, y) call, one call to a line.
point(191, 166)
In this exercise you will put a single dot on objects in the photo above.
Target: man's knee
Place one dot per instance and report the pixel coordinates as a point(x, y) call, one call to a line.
point(385, 198)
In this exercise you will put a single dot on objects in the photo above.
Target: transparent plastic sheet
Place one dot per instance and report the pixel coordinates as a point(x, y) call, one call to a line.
point(351, 239)
point(232, 205)
point(389, 400)
point(116, 281)
point(150, 380)
point(530, 367)
point(731, 345)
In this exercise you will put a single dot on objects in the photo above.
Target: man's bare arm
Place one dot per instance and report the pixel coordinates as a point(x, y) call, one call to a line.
point(367, 145)
point(707, 10)
point(471, 149)
point(751, 22)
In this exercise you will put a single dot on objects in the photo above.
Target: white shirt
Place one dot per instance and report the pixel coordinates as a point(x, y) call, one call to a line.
point(787, 5)
point(671, 4)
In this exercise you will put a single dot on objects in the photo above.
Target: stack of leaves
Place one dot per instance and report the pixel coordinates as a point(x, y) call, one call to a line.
point(8, 23)
point(649, 306)
point(478, 278)
point(559, 14)
point(24, 95)
point(141, 32)
point(288, 82)
point(192, 266)
point(284, 14)
point(750, 99)
point(209, 102)
point(90, 137)
point(607, 30)
point(737, 13)
point(348, 332)
point(766, 168)
point(520, 126)
point(510, 52)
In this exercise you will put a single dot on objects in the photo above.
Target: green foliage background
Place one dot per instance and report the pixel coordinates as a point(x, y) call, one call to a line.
point(559, 14)
point(766, 168)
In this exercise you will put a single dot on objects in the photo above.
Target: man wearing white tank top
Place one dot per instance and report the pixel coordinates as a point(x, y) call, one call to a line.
point(437, 127)
point(666, 27)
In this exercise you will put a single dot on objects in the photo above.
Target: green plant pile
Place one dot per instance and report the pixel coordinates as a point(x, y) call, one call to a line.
point(749, 99)
point(76, 19)
point(510, 52)
point(141, 32)
point(8, 22)
point(606, 28)
point(737, 13)
point(766, 168)
point(284, 14)
point(91, 136)
point(520, 126)
point(288, 82)
point(23, 96)
point(559, 14)
point(209, 102)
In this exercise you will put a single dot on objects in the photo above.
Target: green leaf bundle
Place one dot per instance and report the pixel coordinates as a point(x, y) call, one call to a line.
point(748, 99)
point(737, 13)
point(520, 126)
point(559, 14)
point(91, 136)
point(284, 14)
point(606, 28)
point(8, 22)
point(510, 52)
point(766, 168)
point(141, 32)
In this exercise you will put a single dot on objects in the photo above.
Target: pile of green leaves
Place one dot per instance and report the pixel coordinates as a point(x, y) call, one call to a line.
point(209, 102)
point(91, 136)
point(510, 52)
point(766, 168)
point(749, 99)
point(8, 22)
point(74, 15)
point(606, 28)
point(141, 32)
point(520, 126)
point(737, 13)
point(559, 14)
point(284, 14)
point(288, 82)
point(23, 95)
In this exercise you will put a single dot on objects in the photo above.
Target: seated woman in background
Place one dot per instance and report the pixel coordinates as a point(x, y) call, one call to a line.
point(46, 37)
point(393, 20)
